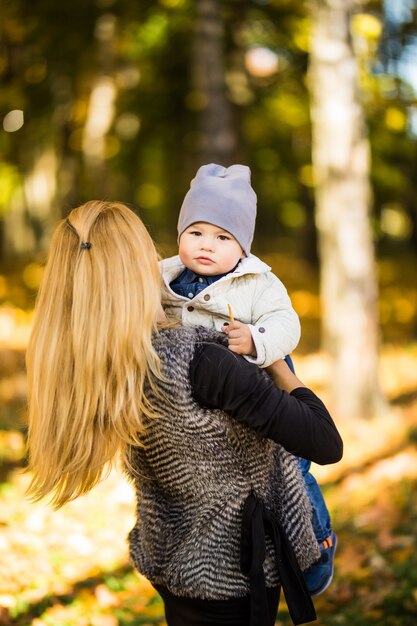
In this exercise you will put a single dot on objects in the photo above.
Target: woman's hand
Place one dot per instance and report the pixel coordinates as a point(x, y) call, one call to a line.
point(283, 376)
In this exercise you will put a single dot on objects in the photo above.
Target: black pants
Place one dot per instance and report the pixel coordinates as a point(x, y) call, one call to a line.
point(180, 611)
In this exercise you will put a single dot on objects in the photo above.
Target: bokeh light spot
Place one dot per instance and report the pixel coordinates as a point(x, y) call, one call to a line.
point(395, 222)
point(13, 121)
point(395, 119)
point(293, 214)
point(128, 77)
point(148, 196)
point(127, 126)
point(261, 62)
point(367, 25)
point(32, 275)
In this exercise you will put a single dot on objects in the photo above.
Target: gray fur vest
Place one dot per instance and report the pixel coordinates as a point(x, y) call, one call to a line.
point(192, 479)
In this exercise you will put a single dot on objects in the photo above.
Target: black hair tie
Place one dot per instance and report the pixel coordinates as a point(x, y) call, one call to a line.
point(85, 245)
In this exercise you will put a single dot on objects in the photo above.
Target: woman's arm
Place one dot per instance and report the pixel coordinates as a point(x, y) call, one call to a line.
point(293, 416)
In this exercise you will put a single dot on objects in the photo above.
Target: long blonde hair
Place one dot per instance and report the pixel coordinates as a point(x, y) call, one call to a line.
point(90, 354)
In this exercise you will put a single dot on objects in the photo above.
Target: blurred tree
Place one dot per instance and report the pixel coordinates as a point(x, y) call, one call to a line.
point(208, 95)
point(341, 158)
point(100, 108)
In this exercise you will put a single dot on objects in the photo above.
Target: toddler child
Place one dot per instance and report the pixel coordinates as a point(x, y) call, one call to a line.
point(213, 269)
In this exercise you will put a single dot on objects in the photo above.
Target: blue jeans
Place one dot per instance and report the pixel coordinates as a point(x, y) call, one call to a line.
point(321, 517)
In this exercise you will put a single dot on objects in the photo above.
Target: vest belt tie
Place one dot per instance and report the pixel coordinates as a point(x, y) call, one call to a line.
point(256, 523)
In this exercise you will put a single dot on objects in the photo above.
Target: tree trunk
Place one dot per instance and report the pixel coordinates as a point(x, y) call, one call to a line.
point(341, 159)
point(101, 109)
point(209, 86)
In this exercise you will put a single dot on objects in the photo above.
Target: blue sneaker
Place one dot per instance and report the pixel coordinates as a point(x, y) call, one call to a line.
point(319, 575)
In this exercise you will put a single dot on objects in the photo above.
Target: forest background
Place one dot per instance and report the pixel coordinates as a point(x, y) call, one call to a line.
point(124, 100)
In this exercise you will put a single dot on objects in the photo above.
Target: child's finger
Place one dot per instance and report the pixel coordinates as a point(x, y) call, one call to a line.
point(234, 325)
point(237, 349)
point(236, 340)
point(237, 331)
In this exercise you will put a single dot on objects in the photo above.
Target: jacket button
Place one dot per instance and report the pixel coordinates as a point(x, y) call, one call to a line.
point(206, 297)
point(261, 329)
point(190, 308)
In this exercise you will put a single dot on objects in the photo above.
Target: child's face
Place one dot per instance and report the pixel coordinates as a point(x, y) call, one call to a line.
point(209, 250)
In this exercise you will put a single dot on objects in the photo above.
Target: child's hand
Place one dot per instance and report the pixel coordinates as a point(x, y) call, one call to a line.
point(240, 338)
point(283, 376)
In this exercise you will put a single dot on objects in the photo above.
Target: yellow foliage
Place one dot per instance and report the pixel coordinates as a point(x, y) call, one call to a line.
point(395, 221)
point(306, 175)
point(105, 597)
point(171, 4)
point(395, 119)
point(293, 214)
point(104, 620)
point(15, 325)
point(306, 303)
point(32, 275)
point(3, 286)
point(10, 182)
point(367, 25)
point(148, 196)
point(112, 146)
point(12, 445)
point(287, 109)
point(302, 35)
point(404, 554)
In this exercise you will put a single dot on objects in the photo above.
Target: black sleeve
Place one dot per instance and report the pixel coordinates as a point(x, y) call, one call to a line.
point(299, 421)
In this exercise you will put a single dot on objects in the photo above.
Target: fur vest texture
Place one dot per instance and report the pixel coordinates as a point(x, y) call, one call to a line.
point(192, 478)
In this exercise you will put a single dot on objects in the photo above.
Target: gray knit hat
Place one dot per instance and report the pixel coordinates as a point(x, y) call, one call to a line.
point(222, 196)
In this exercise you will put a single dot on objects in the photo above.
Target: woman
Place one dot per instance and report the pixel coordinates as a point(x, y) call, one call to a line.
point(222, 516)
